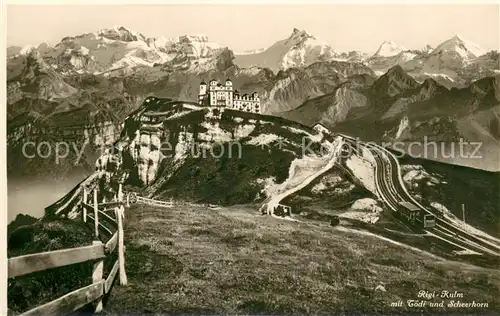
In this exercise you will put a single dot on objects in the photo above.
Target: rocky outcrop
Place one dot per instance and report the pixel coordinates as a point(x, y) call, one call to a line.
point(394, 82)
point(381, 64)
point(290, 89)
point(329, 109)
point(328, 75)
point(39, 80)
point(171, 146)
point(483, 66)
point(174, 136)
point(96, 134)
point(345, 100)
point(426, 91)
point(196, 46)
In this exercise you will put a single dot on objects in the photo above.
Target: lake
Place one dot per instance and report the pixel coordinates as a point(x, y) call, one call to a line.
point(31, 196)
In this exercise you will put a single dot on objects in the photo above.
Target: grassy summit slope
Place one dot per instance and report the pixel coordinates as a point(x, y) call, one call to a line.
point(190, 259)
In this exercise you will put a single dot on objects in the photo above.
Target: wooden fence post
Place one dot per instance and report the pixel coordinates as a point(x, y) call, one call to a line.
point(96, 214)
point(84, 211)
point(97, 276)
point(121, 256)
point(85, 194)
point(120, 192)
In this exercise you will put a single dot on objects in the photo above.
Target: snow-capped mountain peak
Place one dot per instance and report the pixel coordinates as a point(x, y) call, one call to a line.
point(303, 49)
point(121, 33)
point(299, 35)
point(157, 42)
point(465, 48)
point(250, 51)
point(120, 48)
point(26, 50)
point(388, 49)
point(297, 50)
point(427, 49)
point(302, 38)
point(195, 46)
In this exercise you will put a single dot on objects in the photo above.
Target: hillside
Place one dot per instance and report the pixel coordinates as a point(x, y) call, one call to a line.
point(238, 160)
point(20, 220)
point(397, 109)
point(175, 149)
point(446, 186)
point(231, 261)
point(59, 144)
point(279, 91)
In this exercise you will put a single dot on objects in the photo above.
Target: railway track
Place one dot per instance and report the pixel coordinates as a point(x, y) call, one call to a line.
point(469, 239)
point(390, 187)
point(487, 246)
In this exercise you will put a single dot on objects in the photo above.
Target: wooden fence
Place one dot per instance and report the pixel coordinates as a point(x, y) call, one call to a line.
point(97, 251)
point(148, 201)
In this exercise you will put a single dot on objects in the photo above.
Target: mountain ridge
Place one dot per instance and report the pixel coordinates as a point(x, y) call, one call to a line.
point(396, 96)
point(112, 70)
point(300, 49)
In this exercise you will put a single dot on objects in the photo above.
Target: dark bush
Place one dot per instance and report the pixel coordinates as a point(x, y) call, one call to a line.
point(48, 234)
point(334, 220)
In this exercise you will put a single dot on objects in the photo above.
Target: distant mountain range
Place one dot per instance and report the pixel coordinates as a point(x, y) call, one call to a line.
point(102, 76)
point(424, 107)
point(120, 48)
point(397, 108)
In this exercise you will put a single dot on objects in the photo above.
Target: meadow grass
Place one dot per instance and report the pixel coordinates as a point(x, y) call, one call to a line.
point(192, 259)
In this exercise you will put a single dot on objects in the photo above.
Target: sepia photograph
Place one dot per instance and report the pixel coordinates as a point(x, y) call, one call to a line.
point(251, 158)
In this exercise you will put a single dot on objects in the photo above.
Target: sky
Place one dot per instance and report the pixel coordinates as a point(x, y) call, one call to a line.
point(244, 27)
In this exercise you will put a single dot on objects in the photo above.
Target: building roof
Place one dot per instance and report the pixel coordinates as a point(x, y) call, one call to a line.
point(203, 82)
point(228, 80)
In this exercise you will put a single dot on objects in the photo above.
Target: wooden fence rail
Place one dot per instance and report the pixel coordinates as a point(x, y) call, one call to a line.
point(23, 265)
point(111, 244)
point(71, 301)
point(53, 259)
point(148, 201)
point(102, 215)
point(100, 225)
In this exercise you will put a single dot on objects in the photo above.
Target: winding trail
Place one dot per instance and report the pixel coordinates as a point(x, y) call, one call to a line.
point(275, 200)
